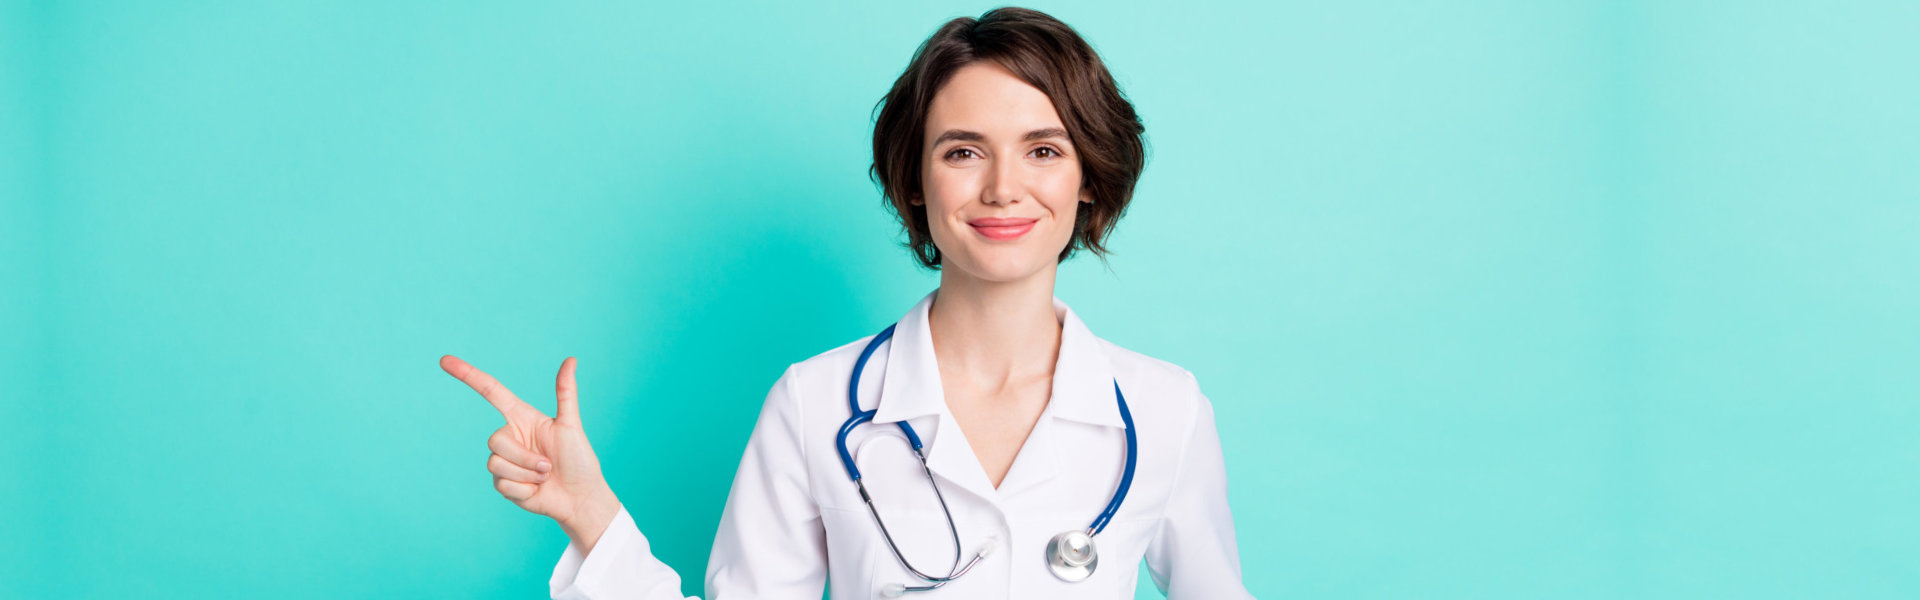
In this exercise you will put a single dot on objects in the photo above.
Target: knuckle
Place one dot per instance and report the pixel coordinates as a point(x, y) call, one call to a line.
point(500, 442)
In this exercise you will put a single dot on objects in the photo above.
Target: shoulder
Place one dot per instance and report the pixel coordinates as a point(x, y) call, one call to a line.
point(815, 388)
point(1172, 418)
point(1158, 390)
point(1146, 368)
point(812, 394)
point(833, 368)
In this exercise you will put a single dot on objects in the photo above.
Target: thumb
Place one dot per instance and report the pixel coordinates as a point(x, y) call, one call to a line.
point(566, 394)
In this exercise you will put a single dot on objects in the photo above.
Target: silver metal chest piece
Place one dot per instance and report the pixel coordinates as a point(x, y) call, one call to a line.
point(1071, 556)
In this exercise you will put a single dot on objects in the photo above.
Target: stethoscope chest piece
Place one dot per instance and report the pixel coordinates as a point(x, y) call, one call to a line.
point(1071, 556)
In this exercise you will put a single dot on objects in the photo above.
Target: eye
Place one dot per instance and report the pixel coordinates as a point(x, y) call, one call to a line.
point(955, 153)
point(1049, 152)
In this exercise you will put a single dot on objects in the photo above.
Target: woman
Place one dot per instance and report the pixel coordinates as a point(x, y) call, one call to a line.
point(1003, 148)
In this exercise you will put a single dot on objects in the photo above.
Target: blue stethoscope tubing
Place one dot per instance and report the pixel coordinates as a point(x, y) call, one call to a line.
point(863, 416)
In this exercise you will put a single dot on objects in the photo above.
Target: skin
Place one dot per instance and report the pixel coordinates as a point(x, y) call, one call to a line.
point(995, 336)
point(994, 332)
point(544, 464)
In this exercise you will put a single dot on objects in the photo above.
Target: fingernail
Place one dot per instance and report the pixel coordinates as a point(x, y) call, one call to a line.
point(544, 467)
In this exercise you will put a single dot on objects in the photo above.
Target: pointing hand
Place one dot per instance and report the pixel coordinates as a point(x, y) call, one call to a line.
point(542, 464)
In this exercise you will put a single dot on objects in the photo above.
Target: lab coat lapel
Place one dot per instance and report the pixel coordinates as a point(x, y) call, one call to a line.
point(911, 385)
point(950, 457)
point(1082, 392)
point(1083, 377)
point(912, 389)
point(1036, 463)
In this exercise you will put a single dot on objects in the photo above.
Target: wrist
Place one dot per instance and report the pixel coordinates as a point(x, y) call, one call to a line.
point(591, 517)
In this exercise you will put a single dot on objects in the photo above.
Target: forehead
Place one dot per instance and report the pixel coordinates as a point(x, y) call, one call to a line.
point(985, 97)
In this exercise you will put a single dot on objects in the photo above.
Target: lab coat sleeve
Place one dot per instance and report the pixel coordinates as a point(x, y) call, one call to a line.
point(771, 543)
point(621, 565)
point(1193, 556)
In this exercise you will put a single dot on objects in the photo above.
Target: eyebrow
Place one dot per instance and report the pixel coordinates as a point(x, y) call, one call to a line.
point(974, 136)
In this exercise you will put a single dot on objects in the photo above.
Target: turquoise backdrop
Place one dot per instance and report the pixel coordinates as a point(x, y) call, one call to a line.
point(1573, 299)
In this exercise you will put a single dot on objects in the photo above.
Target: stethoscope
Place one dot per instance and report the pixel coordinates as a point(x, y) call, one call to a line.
point(1070, 555)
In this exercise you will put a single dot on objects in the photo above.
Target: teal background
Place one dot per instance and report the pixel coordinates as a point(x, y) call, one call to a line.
point(1494, 299)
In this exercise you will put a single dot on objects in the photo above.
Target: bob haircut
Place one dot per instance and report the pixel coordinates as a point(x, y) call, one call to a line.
point(1106, 134)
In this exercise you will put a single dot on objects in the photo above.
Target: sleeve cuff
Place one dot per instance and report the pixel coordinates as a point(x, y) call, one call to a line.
point(577, 572)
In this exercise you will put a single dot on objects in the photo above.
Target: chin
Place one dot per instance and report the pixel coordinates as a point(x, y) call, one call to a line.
point(1001, 269)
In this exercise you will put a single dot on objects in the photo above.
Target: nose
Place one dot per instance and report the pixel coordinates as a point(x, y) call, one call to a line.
point(1004, 184)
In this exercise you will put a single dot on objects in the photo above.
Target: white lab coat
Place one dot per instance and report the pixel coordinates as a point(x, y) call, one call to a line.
point(794, 521)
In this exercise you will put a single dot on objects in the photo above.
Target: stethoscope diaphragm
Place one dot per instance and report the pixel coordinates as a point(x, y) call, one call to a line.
point(1071, 556)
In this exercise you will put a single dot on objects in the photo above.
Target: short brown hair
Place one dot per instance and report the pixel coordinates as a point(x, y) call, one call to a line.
point(1106, 133)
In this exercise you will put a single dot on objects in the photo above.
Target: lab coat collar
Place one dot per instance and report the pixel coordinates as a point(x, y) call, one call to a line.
point(1082, 376)
point(1082, 392)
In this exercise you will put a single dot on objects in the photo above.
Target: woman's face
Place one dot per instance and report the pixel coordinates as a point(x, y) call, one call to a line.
point(1001, 180)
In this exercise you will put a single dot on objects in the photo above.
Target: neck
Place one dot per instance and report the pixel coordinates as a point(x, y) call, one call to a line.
point(995, 332)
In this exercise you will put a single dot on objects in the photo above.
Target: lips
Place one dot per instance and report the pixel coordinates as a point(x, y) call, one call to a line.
point(1002, 228)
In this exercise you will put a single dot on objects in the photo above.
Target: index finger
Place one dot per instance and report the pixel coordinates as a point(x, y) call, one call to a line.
point(488, 387)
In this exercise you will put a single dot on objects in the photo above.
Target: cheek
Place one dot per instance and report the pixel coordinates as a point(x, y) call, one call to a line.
point(1062, 185)
point(1063, 194)
point(944, 186)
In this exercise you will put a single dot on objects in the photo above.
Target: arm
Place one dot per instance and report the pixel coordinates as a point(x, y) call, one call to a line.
point(620, 564)
point(770, 544)
point(1194, 555)
point(547, 467)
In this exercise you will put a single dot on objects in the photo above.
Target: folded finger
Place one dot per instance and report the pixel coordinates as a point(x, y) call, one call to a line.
point(502, 444)
point(514, 490)
point(512, 472)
